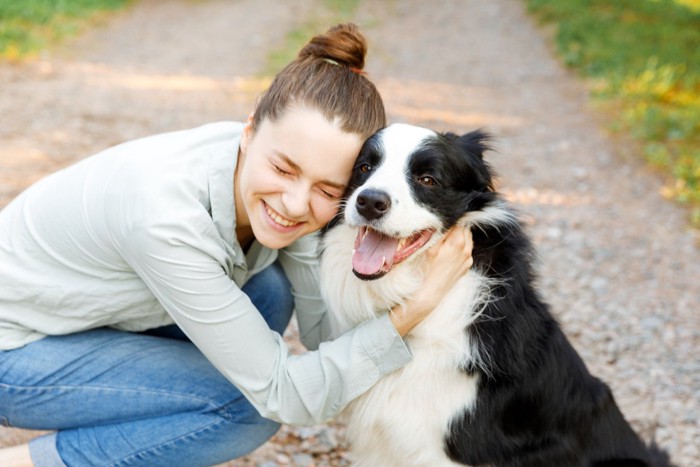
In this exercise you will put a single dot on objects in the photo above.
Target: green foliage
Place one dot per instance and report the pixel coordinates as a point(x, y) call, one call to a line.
point(26, 26)
point(644, 58)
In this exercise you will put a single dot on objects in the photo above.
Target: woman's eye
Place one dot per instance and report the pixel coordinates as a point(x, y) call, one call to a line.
point(329, 195)
point(279, 169)
point(427, 181)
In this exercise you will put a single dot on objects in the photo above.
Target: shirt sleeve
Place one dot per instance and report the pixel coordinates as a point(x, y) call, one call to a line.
point(179, 264)
point(300, 262)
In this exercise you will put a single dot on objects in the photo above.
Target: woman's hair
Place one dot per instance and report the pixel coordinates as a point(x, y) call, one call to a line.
point(327, 76)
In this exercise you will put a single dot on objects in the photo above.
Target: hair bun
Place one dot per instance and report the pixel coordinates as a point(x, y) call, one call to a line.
point(342, 43)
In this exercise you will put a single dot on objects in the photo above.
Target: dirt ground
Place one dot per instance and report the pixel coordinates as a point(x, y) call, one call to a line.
point(619, 264)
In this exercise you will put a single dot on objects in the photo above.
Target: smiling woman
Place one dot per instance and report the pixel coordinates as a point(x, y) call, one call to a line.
point(144, 290)
point(291, 175)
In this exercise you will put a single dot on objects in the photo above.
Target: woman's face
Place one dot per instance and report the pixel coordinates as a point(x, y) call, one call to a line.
point(291, 175)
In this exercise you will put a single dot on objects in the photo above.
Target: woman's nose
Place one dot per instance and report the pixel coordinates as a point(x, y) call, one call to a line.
point(296, 200)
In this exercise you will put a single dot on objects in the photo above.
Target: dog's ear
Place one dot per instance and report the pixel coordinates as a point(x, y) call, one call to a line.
point(472, 147)
point(475, 143)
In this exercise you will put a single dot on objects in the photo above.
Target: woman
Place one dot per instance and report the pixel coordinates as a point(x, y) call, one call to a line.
point(208, 229)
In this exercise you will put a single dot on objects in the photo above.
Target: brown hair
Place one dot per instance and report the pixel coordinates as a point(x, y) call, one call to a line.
point(327, 76)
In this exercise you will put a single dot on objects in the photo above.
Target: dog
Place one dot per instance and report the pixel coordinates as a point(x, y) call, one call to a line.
point(493, 379)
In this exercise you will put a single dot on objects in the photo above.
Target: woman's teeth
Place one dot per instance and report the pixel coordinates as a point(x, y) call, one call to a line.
point(278, 219)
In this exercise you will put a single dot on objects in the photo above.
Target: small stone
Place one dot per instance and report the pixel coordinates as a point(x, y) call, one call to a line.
point(599, 285)
point(303, 460)
point(327, 437)
point(553, 233)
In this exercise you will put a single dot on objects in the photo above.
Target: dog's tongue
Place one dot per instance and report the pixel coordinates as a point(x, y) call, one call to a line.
point(372, 251)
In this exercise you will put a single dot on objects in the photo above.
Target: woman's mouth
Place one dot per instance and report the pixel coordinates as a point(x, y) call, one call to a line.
point(279, 219)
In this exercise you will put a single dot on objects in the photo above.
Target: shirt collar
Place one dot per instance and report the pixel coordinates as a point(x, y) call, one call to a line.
point(223, 208)
point(223, 212)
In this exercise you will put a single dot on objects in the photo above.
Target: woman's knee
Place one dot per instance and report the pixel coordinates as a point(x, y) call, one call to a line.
point(224, 431)
point(247, 427)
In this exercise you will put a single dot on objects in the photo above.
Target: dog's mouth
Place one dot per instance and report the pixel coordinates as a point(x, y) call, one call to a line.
point(376, 253)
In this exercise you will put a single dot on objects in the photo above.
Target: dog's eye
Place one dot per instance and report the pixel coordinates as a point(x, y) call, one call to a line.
point(365, 168)
point(427, 181)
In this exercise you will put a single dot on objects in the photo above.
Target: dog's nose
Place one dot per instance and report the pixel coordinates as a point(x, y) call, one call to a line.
point(372, 204)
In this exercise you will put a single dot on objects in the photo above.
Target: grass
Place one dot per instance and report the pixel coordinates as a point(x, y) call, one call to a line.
point(642, 58)
point(28, 26)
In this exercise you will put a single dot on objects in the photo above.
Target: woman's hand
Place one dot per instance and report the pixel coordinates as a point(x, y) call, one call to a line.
point(448, 261)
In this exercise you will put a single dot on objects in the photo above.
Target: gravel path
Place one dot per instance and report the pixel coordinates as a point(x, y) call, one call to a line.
point(619, 264)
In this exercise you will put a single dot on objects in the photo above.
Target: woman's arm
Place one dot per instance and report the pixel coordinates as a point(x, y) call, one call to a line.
point(183, 268)
point(300, 262)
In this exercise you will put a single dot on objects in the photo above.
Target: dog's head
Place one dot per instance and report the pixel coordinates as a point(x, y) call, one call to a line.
point(409, 185)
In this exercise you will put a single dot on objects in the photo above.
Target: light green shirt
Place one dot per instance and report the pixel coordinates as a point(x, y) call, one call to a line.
point(143, 235)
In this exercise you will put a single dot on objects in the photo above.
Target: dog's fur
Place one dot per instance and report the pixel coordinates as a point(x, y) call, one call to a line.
point(493, 379)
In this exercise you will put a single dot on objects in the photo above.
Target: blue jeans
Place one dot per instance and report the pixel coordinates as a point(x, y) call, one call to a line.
point(120, 398)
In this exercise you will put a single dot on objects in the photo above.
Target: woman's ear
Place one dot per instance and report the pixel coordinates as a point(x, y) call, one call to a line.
point(247, 133)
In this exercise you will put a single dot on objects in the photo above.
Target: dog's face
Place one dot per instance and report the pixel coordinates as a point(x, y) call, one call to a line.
point(409, 185)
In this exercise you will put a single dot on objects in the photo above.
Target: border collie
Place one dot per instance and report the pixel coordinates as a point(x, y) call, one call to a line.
point(493, 379)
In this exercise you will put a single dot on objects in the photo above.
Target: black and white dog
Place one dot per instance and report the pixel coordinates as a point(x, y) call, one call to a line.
point(493, 379)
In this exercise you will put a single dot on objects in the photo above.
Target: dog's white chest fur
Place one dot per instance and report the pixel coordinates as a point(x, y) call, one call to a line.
point(403, 419)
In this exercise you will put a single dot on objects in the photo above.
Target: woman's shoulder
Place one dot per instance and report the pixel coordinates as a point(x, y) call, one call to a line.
point(168, 175)
point(182, 141)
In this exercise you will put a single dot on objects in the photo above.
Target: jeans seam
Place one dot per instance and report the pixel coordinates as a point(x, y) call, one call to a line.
point(129, 390)
point(153, 450)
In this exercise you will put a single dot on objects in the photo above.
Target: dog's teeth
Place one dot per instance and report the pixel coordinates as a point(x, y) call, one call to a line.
point(383, 261)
